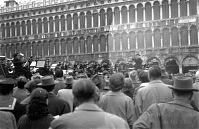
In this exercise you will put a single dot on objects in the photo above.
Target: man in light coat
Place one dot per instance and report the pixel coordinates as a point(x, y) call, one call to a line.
point(155, 92)
point(177, 114)
point(118, 103)
point(87, 115)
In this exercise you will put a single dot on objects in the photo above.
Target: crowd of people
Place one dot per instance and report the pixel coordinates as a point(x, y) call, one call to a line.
point(139, 99)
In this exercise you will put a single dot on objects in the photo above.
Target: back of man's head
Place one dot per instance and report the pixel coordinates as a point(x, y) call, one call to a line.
point(116, 81)
point(154, 72)
point(59, 73)
point(84, 90)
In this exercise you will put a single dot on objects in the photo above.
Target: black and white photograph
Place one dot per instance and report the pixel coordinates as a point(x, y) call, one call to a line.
point(99, 64)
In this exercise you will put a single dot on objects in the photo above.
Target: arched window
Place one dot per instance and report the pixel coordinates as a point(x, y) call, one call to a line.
point(12, 49)
point(34, 49)
point(34, 26)
point(56, 47)
point(82, 20)
point(193, 35)
point(89, 44)
point(28, 49)
point(165, 9)
point(117, 42)
point(75, 45)
point(124, 41)
point(139, 12)
point(18, 28)
point(39, 48)
point(45, 22)
point(95, 19)
point(63, 46)
point(156, 10)
point(23, 27)
point(102, 17)
point(166, 37)
point(131, 13)
point(140, 39)
point(110, 43)
point(13, 28)
point(75, 21)
point(183, 8)
point(157, 38)
point(117, 15)
point(82, 45)
point(8, 51)
point(95, 44)
point(63, 26)
point(184, 36)
point(3, 50)
point(103, 43)
point(45, 48)
point(23, 49)
point(132, 40)
point(51, 47)
point(193, 7)
point(28, 27)
point(39, 26)
point(51, 24)
point(3, 30)
point(56, 23)
point(174, 8)
point(175, 36)
point(89, 19)
point(124, 15)
point(148, 39)
point(69, 22)
point(148, 14)
point(109, 16)
point(8, 29)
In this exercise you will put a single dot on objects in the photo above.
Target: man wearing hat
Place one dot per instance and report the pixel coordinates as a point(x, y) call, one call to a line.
point(66, 94)
point(177, 114)
point(116, 102)
point(56, 106)
point(7, 101)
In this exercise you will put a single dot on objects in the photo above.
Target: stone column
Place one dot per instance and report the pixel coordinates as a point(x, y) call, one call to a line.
point(136, 13)
point(113, 23)
point(178, 8)
point(152, 38)
point(152, 10)
point(98, 14)
point(85, 19)
point(180, 68)
point(53, 23)
point(189, 43)
point(78, 19)
point(105, 16)
point(169, 2)
point(92, 19)
point(144, 12)
point(59, 23)
point(188, 8)
point(161, 11)
point(120, 10)
point(170, 39)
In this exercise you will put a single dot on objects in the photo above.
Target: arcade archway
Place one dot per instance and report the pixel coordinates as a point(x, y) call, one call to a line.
point(190, 63)
point(171, 66)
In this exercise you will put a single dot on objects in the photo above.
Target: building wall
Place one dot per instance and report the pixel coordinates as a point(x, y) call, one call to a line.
point(87, 30)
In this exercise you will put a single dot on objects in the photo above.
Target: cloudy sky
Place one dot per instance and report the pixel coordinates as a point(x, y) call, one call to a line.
point(22, 1)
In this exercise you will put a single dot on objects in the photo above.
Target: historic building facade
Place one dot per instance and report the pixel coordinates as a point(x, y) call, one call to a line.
point(77, 30)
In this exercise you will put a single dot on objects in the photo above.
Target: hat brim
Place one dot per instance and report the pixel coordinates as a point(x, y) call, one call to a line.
point(182, 89)
point(40, 84)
